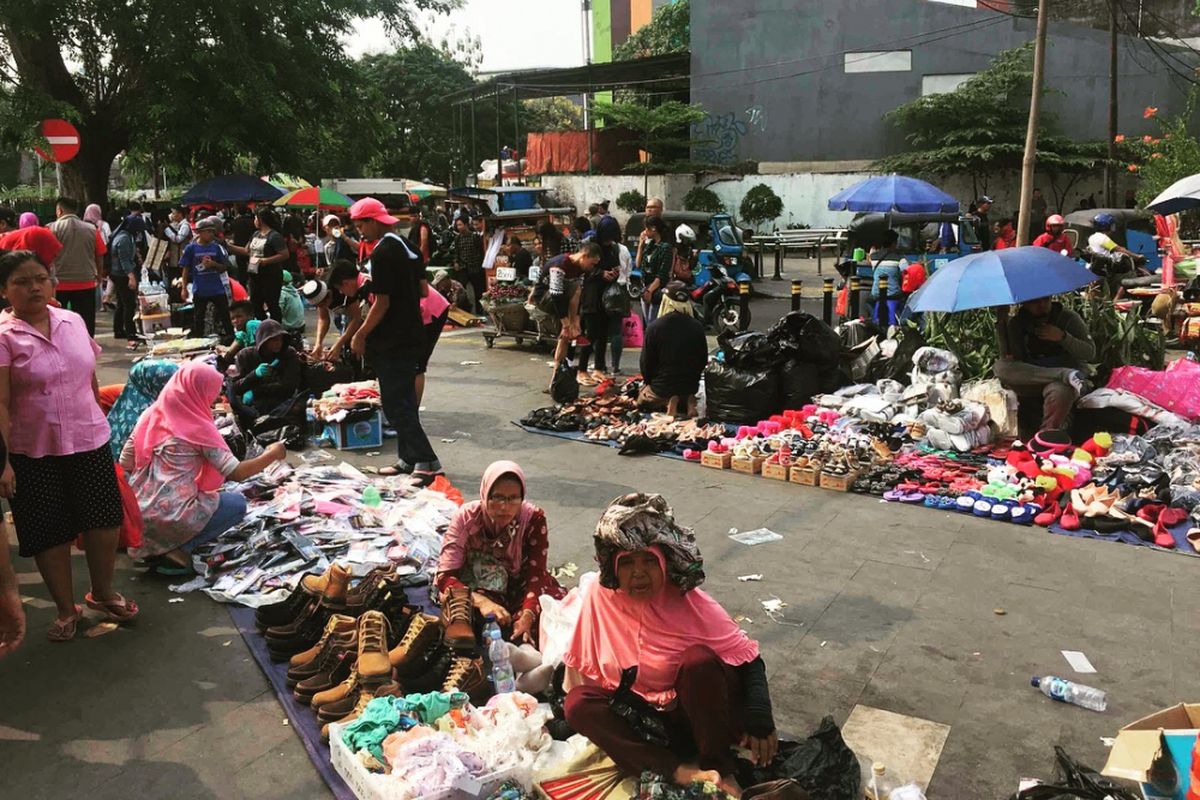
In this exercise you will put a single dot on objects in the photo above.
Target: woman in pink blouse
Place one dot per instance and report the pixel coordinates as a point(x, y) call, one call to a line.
point(58, 473)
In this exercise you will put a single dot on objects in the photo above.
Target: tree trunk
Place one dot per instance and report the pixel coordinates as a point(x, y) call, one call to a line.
point(85, 177)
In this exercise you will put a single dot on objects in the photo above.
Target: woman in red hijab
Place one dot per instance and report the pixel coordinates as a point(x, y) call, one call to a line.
point(647, 630)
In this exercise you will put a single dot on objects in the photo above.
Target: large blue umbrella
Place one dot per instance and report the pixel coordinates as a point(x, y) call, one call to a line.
point(999, 278)
point(231, 189)
point(889, 193)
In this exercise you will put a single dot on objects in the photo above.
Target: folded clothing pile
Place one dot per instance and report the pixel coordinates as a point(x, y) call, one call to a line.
point(343, 398)
point(957, 425)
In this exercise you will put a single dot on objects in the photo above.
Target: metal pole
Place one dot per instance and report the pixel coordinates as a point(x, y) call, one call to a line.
point(58, 177)
point(881, 306)
point(744, 297)
point(855, 288)
point(797, 288)
point(827, 295)
point(820, 247)
point(778, 276)
point(474, 165)
point(758, 254)
point(1110, 169)
point(517, 134)
point(499, 151)
point(1035, 102)
point(41, 188)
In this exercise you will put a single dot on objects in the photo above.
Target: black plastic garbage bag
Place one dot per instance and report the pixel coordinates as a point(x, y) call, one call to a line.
point(565, 386)
point(823, 765)
point(803, 336)
point(738, 395)
point(798, 382)
point(856, 331)
point(750, 350)
point(1077, 781)
point(899, 366)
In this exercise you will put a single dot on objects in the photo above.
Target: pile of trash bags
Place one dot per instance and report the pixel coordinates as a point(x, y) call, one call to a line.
point(755, 374)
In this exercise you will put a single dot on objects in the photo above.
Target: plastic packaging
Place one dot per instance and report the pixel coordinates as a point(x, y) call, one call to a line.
point(1066, 691)
point(881, 784)
point(371, 498)
point(503, 678)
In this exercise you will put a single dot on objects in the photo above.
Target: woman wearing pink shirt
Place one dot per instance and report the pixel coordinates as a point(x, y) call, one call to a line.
point(58, 474)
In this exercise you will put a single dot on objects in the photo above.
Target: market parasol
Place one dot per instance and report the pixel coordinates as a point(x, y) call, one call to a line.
point(230, 189)
point(888, 193)
point(1179, 196)
point(999, 278)
point(315, 197)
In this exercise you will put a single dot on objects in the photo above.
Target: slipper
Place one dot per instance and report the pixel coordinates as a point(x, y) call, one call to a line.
point(64, 630)
point(169, 569)
point(1023, 514)
point(982, 508)
point(118, 609)
point(912, 498)
point(966, 503)
point(894, 496)
point(1069, 521)
point(1193, 537)
point(399, 468)
point(1002, 512)
point(1048, 516)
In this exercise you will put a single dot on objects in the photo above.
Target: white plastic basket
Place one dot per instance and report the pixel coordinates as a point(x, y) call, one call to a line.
point(368, 785)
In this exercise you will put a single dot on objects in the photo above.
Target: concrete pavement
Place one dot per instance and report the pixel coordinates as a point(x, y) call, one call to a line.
point(886, 606)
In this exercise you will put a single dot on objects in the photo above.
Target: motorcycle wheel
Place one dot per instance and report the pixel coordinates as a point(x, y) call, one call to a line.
point(729, 320)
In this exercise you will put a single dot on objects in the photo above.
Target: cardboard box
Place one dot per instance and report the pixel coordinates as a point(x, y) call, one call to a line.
point(750, 466)
point(356, 432)
point(838, 483)
point(775, 472)
point(1138, 743)
point(716, 460)
point(803, 476)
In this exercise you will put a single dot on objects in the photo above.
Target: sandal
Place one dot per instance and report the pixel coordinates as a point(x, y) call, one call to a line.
point(64, 630)
point(118, 608)
point(399, 468)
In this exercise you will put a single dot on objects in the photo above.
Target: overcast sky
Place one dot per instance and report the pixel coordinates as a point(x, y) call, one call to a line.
point(514, 34)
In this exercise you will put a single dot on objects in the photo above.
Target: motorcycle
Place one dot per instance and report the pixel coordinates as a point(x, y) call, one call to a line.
point(717, 302)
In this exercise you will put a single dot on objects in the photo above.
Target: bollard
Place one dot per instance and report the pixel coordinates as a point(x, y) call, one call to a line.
point(855, 288)
point(744, 297)
point(779, 251)
point(827, 292)
point(758, 253)
point(797, 288)
point(881, 306)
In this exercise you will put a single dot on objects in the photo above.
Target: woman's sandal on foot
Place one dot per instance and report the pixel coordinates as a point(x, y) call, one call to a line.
point(118, 608)
point(64, 630)
point(399, 468)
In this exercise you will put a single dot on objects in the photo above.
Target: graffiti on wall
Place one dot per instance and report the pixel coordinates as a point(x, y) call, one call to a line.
point(716, 138)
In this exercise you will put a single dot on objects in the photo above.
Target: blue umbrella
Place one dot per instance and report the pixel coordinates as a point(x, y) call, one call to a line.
point(230, 189)
point(999, 278)
point(888, 193)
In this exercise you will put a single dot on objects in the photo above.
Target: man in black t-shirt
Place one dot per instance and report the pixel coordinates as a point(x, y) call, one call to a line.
point(392, 337)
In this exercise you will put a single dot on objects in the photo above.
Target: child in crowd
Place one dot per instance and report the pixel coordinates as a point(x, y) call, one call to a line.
point(245, 326)
point(203, 262)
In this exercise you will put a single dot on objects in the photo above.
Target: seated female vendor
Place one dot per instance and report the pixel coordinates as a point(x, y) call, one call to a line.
point(176, 461)
point(699, 672)
point(493, 560)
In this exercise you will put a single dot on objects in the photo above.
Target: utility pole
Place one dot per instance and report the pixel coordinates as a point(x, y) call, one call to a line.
point(1110, 169)
point(1035, 102)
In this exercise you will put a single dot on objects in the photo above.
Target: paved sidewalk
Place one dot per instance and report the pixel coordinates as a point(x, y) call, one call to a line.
point(887, 606)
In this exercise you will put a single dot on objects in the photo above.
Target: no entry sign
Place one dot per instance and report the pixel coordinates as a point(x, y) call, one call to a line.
point(62, 138)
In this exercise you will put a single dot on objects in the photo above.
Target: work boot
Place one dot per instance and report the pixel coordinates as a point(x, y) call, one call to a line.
point(333, 584)
point(364, 699)
point(428, 673)
point(286, 611)
point(346, 690)
point(373, 662)
point(424, 631)
point(286, 641)
point(456, 619)
point(338, 624)
point(335, 648)
point(466, 675)
point(336, 668)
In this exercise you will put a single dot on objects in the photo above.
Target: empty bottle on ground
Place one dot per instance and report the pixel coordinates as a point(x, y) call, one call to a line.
point(1066, 691)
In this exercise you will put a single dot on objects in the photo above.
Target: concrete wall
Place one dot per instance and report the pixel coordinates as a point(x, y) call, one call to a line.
point(804, 194)
point(771, 74)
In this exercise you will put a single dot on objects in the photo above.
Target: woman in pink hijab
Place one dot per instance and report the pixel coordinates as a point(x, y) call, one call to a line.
point(177, 461)
point(28, 219)
point(493, 560)
point(648, 639)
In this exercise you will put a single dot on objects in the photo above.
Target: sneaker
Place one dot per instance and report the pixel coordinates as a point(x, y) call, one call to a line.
point(466, 675)
point(457, 614)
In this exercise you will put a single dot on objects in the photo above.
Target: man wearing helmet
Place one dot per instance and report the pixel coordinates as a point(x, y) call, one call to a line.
point(1100, 242)
point(1055, 238)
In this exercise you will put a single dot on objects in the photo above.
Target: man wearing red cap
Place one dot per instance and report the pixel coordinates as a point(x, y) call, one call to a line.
point(392, 337)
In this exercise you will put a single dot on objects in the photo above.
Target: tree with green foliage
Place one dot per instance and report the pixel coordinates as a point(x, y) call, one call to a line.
point(701, 198)
point(659, 130)
point(1161, 160)
point(631, 201)
point(551, 114)
point(760, 205)
point(199, 81)
point(979, 129)
point(669, 31)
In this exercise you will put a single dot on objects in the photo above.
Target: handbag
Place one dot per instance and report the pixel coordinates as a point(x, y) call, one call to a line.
point(616, 300)
point(646, 721)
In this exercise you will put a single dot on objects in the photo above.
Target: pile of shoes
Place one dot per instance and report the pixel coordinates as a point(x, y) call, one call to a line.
point(957, 425)
point(346, 645)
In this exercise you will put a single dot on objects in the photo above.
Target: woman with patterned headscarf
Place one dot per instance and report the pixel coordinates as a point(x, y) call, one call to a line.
point(646, 630)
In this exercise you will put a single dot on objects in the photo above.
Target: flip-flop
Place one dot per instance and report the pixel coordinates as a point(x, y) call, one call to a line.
point(169, 569)
point(118, 609)
point(399, 468)
point(64, 630)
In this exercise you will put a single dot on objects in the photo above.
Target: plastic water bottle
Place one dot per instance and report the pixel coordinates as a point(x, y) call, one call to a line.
point(1065, 691)
point(881, 784)
point(371, 498)
point(502, 672)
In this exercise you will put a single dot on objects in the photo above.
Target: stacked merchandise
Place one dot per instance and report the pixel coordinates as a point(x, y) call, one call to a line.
point(505, 306)
point(299, 521)
point(342, 399)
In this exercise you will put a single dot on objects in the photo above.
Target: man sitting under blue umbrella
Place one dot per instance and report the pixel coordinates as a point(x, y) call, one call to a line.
point(1049, 348)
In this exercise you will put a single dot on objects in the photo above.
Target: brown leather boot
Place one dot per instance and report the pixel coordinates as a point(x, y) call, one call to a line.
point(337, 696)
point(337, 647)
point(317, 584)
point(456, 620)
point(423, 632)
point(373, 662)
point(365, 696)
point(466, 675)
point(335, 670)
point(338, 624)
